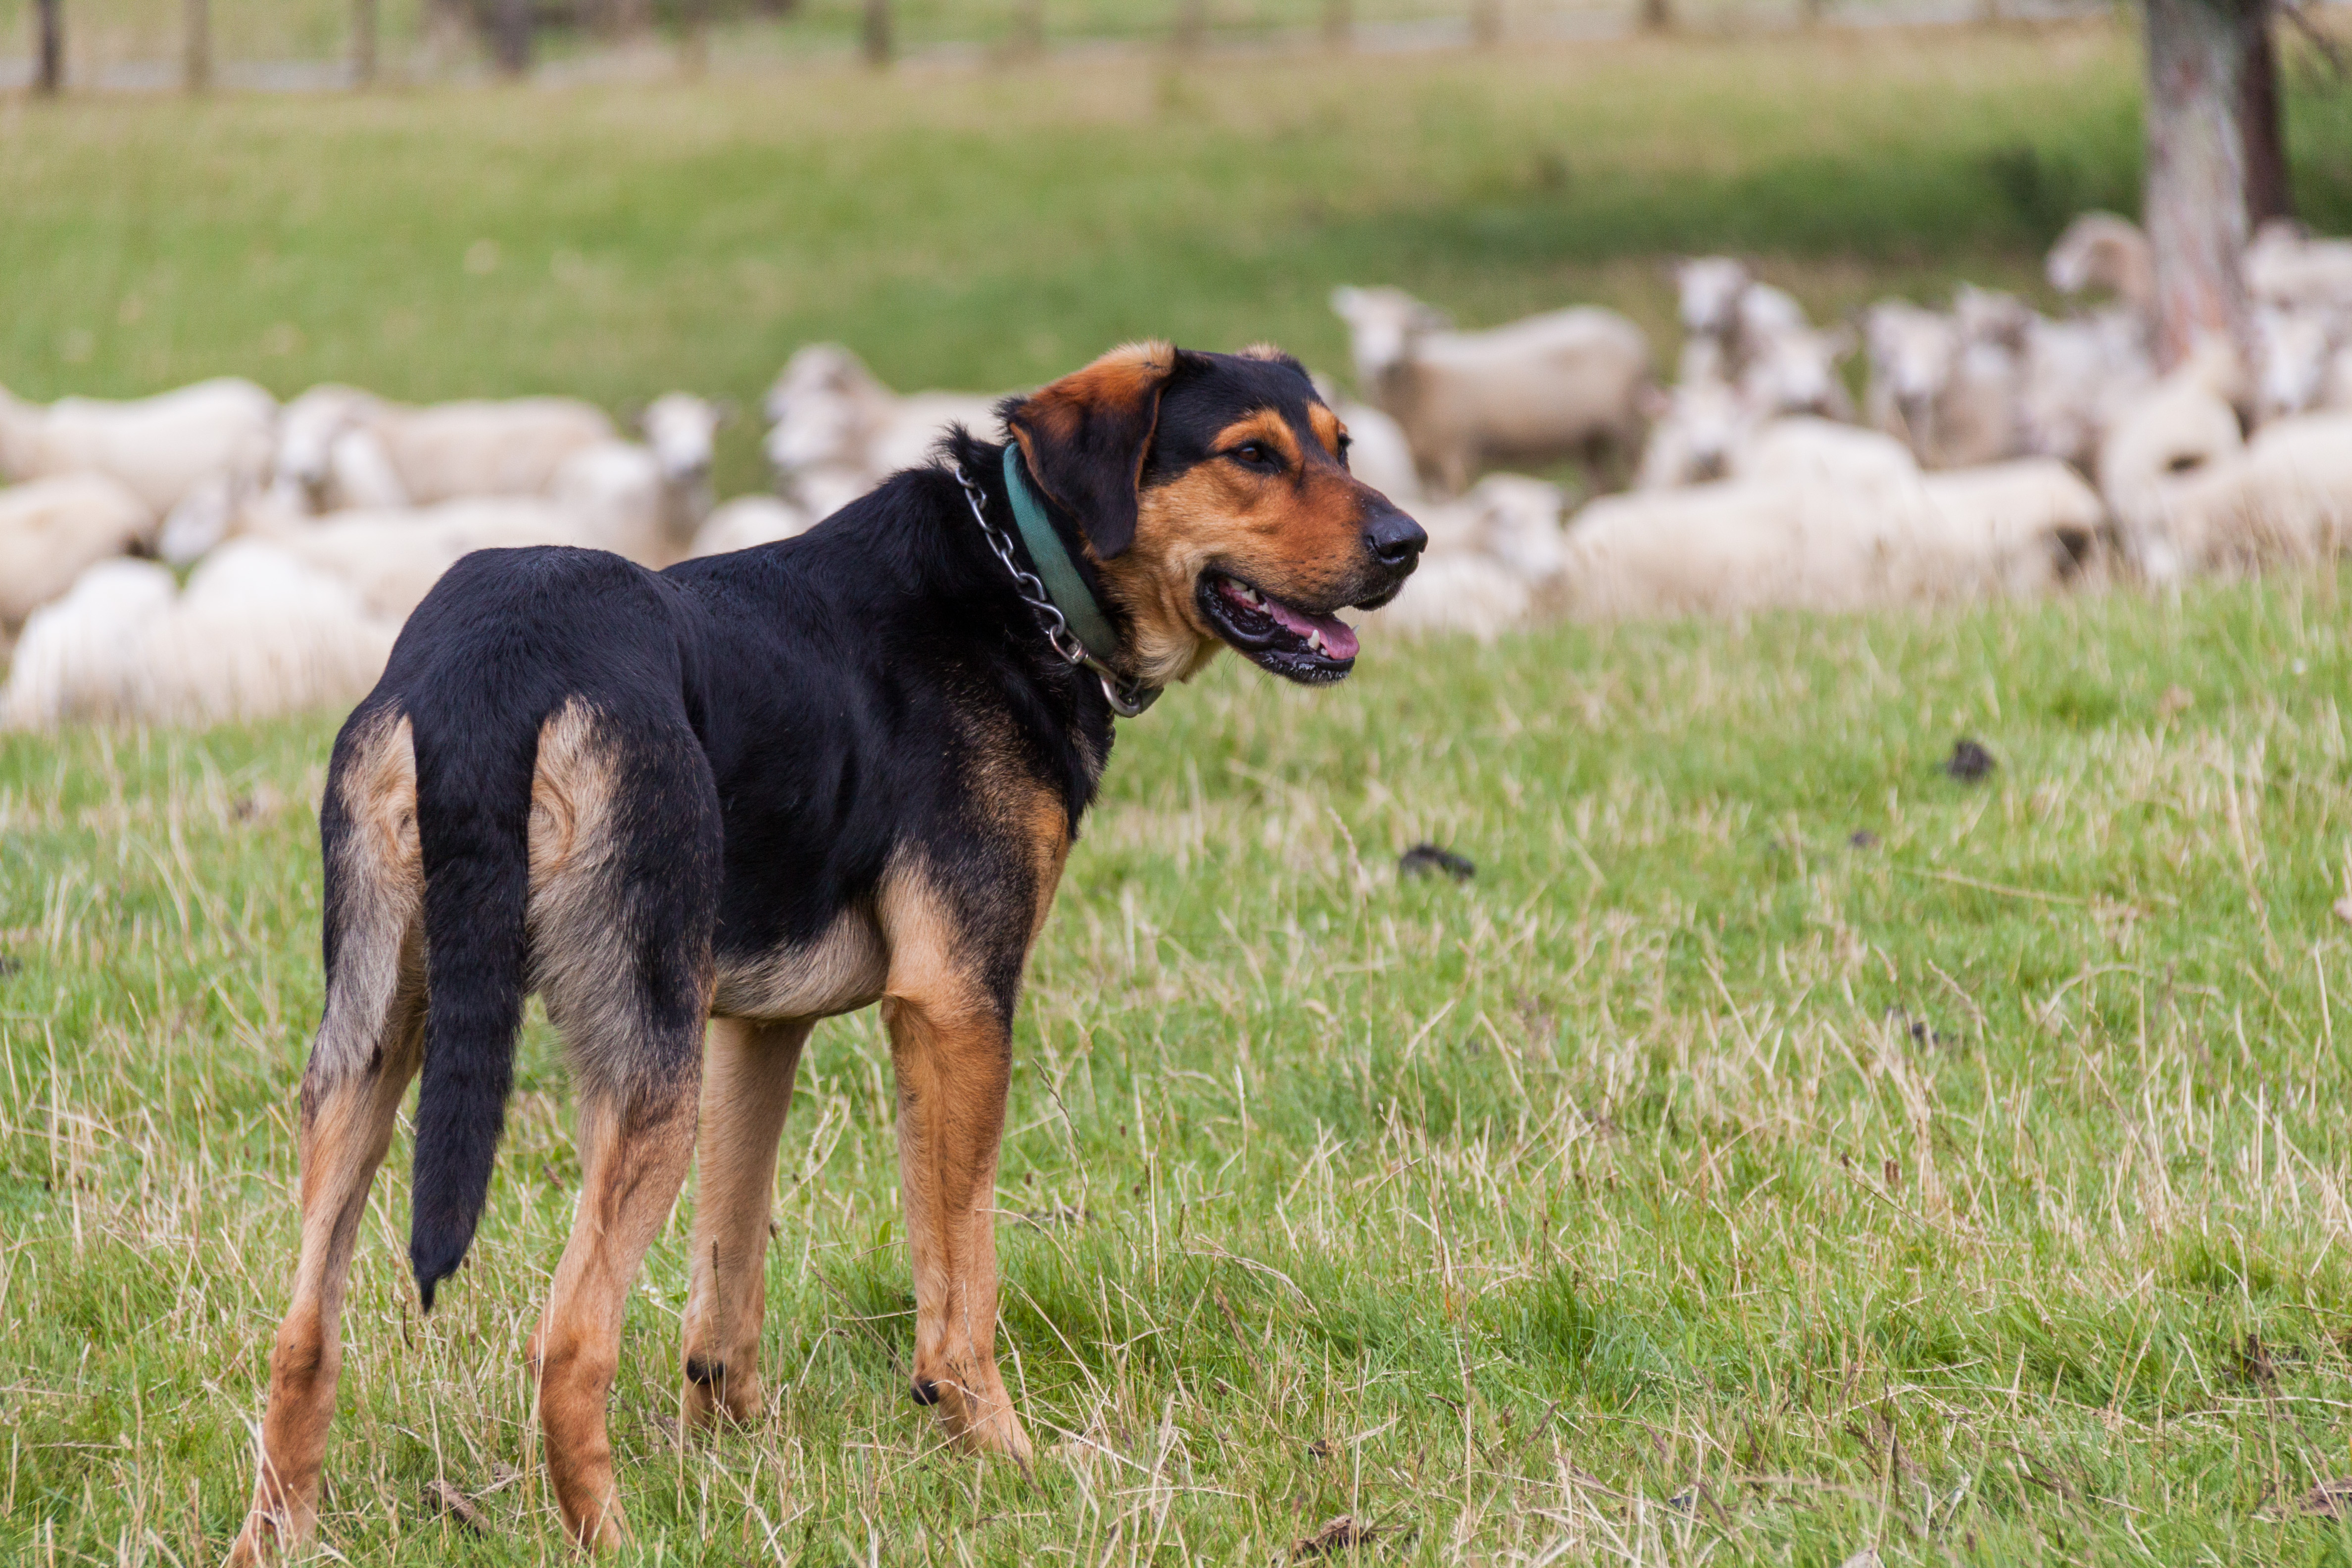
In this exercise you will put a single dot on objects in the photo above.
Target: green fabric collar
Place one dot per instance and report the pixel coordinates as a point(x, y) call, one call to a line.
point(1054, 568)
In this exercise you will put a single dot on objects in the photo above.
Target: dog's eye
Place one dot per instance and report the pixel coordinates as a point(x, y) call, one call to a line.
point(1255, 454)
point(1346, 441)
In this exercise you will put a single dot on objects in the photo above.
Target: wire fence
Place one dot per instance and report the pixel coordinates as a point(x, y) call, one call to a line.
point(157, 46)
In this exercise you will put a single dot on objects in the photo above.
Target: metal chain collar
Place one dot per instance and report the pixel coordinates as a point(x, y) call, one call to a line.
point(1127, 698)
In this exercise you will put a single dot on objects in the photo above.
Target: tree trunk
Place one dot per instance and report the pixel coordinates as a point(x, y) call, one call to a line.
point(510, 36)
point(196, 44)
point(874, 35)
point(1657, 16)
point(52, 77)
point(1485, 23)
point(2195, 206)
point(2269, 192)
point(364, 35)
point(694, 47)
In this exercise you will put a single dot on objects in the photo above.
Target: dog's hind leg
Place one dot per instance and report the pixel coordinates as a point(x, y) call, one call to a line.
point(369, 1046)
point(625, 854)
point(747, 1088)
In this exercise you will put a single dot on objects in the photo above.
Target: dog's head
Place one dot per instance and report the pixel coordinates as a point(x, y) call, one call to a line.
point(1213, 493)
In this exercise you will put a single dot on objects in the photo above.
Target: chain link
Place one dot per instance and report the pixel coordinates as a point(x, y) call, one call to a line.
point(1025, 582)
point(1126, 698)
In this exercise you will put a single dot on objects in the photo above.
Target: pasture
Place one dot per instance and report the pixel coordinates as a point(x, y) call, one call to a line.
point(1779, 1149)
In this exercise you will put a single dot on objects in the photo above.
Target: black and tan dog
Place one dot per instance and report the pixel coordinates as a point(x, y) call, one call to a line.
point(757, 790)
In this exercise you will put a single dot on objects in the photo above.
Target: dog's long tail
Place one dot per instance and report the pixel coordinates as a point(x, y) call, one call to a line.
point(475, 759)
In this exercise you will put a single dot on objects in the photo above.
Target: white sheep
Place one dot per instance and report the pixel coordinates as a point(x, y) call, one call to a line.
point(77, 654)
point(1949, 384)
point(159, 447)
point(749, 521)
point(338, 446)
point(2301, 355)
point(2285, 499)
point(1721, 549)
point(2184, 424)
point(1707, 294)
point(1794, 369)
point(256, 635)
point(2100, 250)
point(1564, 383)
point(2286, 266)
point(1809, 450)
point(1458, 592)
point(52, 531)
point(644, 501)
point(2014, 529)
point(1695, 424)
point(836, 431)
point(2080, 374)
point(389, 560)
point(1831, 542)
point(1492, 565)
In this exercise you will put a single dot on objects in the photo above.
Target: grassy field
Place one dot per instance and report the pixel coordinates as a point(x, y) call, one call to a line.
point(1704, 1182)
point(1779, 1149)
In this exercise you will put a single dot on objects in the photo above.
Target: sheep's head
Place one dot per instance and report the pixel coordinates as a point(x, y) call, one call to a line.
point(1382, 326)
point(2292, 349)
point(1797, 373)
point(1912, 352)
point(1709, 288)
point(302, 462)
point(683, 431)
point(821, 408)
point(2101, 250)
point(1989, 316)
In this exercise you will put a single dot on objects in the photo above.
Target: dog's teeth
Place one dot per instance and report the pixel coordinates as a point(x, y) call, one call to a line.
point(1315, 641)
point(1252, 596)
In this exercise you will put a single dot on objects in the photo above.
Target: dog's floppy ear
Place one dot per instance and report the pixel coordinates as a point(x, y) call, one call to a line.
point(1085, 437)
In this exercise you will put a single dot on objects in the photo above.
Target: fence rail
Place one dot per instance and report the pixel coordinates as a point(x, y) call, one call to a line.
point(315, 46)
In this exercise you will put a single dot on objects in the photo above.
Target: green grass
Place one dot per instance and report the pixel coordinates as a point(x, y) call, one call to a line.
point(1979, 1192)
point(1699, 1183)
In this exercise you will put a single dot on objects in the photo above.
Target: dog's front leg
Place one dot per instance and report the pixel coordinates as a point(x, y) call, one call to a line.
point(952, 1051)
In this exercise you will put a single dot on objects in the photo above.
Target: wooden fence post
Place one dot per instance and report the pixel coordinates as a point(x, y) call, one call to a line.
point(510, 36)
point(51, 79)
point(196, 44)
point(1191, 32)
point(363, 30)
point(1339, 24)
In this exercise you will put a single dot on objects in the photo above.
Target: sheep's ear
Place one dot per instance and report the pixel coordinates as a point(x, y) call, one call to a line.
point(1839, 340)
point(632, 417)
point(726, 411)
point(1086, 436)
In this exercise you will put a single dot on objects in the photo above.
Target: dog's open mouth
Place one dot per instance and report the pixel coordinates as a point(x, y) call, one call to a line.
point(1296, 643)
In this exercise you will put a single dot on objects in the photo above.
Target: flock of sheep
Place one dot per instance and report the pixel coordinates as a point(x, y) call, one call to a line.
point(1997, 451)
point(2003, 452)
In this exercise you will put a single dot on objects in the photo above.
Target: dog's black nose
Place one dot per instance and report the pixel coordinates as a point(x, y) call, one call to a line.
point(1394, 538)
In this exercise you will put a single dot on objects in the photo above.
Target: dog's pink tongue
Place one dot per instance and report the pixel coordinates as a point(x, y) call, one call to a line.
point(1338, 636)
